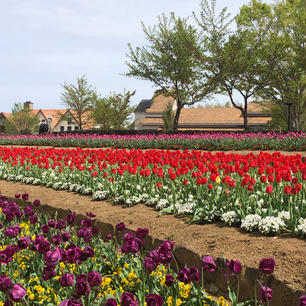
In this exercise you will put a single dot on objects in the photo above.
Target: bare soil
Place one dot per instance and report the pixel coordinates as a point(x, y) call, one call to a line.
point(216, 239)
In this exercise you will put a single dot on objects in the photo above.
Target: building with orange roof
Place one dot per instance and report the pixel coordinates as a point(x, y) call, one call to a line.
point(148, 116)
point(59, 120)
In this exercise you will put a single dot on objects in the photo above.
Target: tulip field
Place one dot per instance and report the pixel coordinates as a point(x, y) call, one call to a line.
point(262, 192)
point(58, 262)
point(292, 141)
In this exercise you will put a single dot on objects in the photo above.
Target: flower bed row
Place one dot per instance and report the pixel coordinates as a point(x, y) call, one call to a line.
point(292, 141)
point(55, 262)
point(256, 192)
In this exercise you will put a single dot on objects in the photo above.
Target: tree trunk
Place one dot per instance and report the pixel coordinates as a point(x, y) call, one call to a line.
point(245, 120)
point(245, 115)
point(177, 116)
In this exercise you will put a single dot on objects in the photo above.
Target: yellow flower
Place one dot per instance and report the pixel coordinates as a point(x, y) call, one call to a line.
point(218, 179)
point(169, 301)
point(184, 290)
point(221, 301)
point(179, 302)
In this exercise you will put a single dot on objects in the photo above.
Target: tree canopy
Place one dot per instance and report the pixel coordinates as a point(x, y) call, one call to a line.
point(21, 121)
point(80, 99)
point(170, 61)
point(114, 111)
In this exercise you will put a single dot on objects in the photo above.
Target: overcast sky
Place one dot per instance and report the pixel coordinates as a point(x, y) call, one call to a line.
point(46, 43)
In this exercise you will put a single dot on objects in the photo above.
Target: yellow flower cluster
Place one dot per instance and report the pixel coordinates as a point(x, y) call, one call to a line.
point(184, 290)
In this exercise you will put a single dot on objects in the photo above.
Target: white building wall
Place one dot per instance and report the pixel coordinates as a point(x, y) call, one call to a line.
point(65, 125)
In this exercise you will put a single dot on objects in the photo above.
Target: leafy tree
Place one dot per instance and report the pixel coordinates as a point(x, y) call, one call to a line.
point(21, 121)
point(114, 112)
point(279, 118)
point(288, 77)
point(80, 99)
point(239, 58)
point(171, 63)
point(168, 117)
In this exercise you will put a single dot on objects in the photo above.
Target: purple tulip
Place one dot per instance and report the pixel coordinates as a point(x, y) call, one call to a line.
point(94, 279)
point(25, 196)
point(184, 275)
point(60, 224)
point(302, 300)
point(51, 223)
point(71, 302)
point(10, 250)
point(87, 235)
point(87, 252)
point(56, 239)
point(17, 293)
point(45, 229)
point(81, 286)
point(95, 230)
point(265, 294)
point(128, 299)
point(267, 265)
point(5, 283)
point(66, 236)
point(66, 280)
point(154, 300)
point(48, 273)
point(36, 203)
point(42, 245)
point(28, 210)
point(12, 231)
point(208, 264)
point(234, 266)
point(120, 227)
point(52, 257)
point(142, 233)
point(33, 219)
point(73, 254)
point(130, 246)
point(71, 218)
point(111, 302)
point(90, 214)
point(17, 196)
point(195, 274)
point(164, 252)
point(169, 280)
point(24, 242)
point(149, 264)
point(64, 303)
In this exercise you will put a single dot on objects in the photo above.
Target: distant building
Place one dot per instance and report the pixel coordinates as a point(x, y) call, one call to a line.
point(148, 116)
point(59, 120)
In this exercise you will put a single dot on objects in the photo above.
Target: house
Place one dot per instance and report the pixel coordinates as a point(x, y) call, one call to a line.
point(148, 116)
point(59, 120)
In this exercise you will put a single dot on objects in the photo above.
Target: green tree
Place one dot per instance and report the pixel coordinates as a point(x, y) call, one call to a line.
point(114, 111)
point(238, 59)
point(168, 117)
point(287, 82)
point(80, 99)
point(21, 121)
point(279, 118)
point(171, 63)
